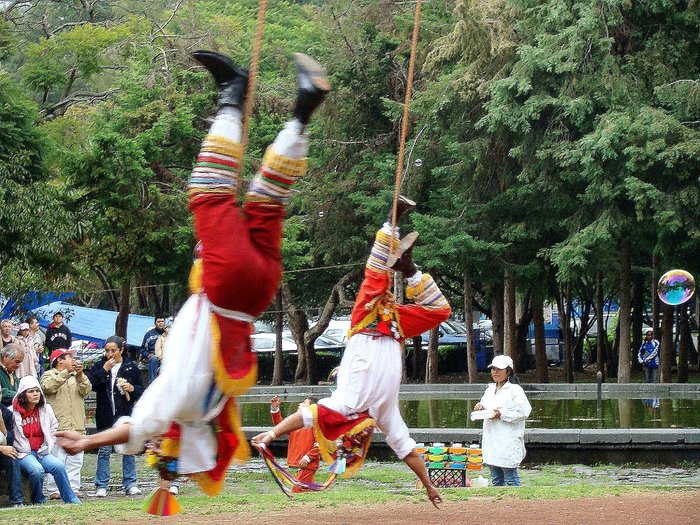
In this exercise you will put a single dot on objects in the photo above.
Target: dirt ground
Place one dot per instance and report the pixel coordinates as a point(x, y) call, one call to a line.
point(667, 508)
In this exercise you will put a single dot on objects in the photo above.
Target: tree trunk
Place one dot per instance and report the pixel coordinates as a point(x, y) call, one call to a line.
point(684, 341)
point(312, 376)
point(564, 308)
point(623, 364)
point(509, 331)
point(602, 335)
point(121, 325)
point(667, 350)
point(418, 362)
point(697, 323)
point(278, 366)
point(431, 372)
point(469, 324)
point(497, 318)
point(637, 316)
point(655, 302)
point(541, 367)
point(523, 318)
point(165, 301)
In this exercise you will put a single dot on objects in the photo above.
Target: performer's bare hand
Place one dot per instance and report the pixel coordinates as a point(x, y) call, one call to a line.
point(275, 402)
point(72, 442)
point(478, 406)
point(127, 387)
point(304, 462)
point(264, 438)
point(433, 496)
point(109, 364)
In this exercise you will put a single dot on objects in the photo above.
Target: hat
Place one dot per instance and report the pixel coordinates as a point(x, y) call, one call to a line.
point(58, 312)
point(58, 353)
point(24, 326)
point(501, 362)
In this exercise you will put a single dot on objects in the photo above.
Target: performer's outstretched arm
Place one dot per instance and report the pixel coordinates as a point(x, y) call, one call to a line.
point(287, 425)
point(73, 442)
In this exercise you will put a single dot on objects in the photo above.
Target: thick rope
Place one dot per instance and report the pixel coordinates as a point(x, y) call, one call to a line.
point(404, 127)
point(253, 78)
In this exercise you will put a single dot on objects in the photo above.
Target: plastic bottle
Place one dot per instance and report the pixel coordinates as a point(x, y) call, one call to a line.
point(480, 482)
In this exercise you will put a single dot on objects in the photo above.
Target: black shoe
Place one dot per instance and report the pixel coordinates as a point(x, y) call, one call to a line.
point(403, 206)
point(231, 80)
point(312, 87)
point(402, 259)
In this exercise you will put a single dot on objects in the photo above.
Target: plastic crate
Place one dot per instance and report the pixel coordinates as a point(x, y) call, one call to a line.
point(447, 477)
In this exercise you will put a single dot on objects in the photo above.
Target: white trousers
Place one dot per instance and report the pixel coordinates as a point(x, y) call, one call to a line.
point(74, 465)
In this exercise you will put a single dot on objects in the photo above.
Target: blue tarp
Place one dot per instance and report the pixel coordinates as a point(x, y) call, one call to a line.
point(93, 324)
point(31, 301)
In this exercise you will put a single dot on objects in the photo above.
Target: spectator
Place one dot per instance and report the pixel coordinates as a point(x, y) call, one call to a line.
point(30, 364)
point(35, 425)
point(503, 441)
point(39, 340)
point(302, 449)
point(117, 382)
point(148, 347)
point(11, 356)
point(648, 357)
point(5, 329)
point(58, 335)
point(66, 387)
point(160, 344)
point(8, 458)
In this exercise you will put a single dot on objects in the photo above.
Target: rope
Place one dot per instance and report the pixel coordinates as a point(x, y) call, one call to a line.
point(404, 126)
point(253, 78)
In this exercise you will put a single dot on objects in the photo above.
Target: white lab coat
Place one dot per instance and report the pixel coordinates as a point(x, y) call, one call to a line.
point(503, 440)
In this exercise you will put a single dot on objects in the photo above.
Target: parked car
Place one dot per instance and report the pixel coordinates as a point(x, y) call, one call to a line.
point(266, 341)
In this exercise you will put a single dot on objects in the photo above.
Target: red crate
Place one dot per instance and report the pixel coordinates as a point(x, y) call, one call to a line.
point(448, 477)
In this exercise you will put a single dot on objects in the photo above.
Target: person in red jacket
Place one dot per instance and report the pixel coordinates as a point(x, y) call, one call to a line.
point(302, 448)
point(369, 376)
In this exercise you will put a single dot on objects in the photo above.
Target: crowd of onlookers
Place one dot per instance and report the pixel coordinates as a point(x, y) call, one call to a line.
point(44, 387)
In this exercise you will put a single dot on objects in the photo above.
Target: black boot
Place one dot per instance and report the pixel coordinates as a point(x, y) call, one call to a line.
point(403, 206)
point(312, 87)
point(231, 80)
point(402, 259)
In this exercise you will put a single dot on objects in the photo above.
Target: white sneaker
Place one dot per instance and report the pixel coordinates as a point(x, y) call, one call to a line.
point(174, 489)
point(101, 492)
point(133, 491)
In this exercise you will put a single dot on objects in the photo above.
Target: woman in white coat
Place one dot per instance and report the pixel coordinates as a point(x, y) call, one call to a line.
point(503, 440)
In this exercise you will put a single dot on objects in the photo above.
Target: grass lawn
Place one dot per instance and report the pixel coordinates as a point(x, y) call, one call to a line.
point(250, 488)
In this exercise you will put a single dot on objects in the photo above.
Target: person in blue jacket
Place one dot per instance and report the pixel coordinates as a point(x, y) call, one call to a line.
point(148, 347)
point(648, 357)
point(117, 382)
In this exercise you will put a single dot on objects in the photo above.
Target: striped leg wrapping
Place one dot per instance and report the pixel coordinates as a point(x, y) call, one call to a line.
point(216, 169)
point(273, 183)
point(380, 250)
point(427, 294)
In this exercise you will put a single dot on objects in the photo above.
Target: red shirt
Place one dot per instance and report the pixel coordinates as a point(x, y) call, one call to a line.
point(31, 426)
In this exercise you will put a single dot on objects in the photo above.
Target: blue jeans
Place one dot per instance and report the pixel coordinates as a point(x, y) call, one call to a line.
point(501, 476)
point(153, 368)
point(35, 467)
point(13, 474)
point(651, 375)
point(102, 473)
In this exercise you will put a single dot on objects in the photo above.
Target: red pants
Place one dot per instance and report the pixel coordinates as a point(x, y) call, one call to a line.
point(241, 260)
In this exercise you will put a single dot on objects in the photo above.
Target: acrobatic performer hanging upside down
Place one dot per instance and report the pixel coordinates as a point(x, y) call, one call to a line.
point(209, 360)
point(369, 376)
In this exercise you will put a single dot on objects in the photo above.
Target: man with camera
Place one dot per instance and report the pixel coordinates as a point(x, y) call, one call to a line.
point(65, 387)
